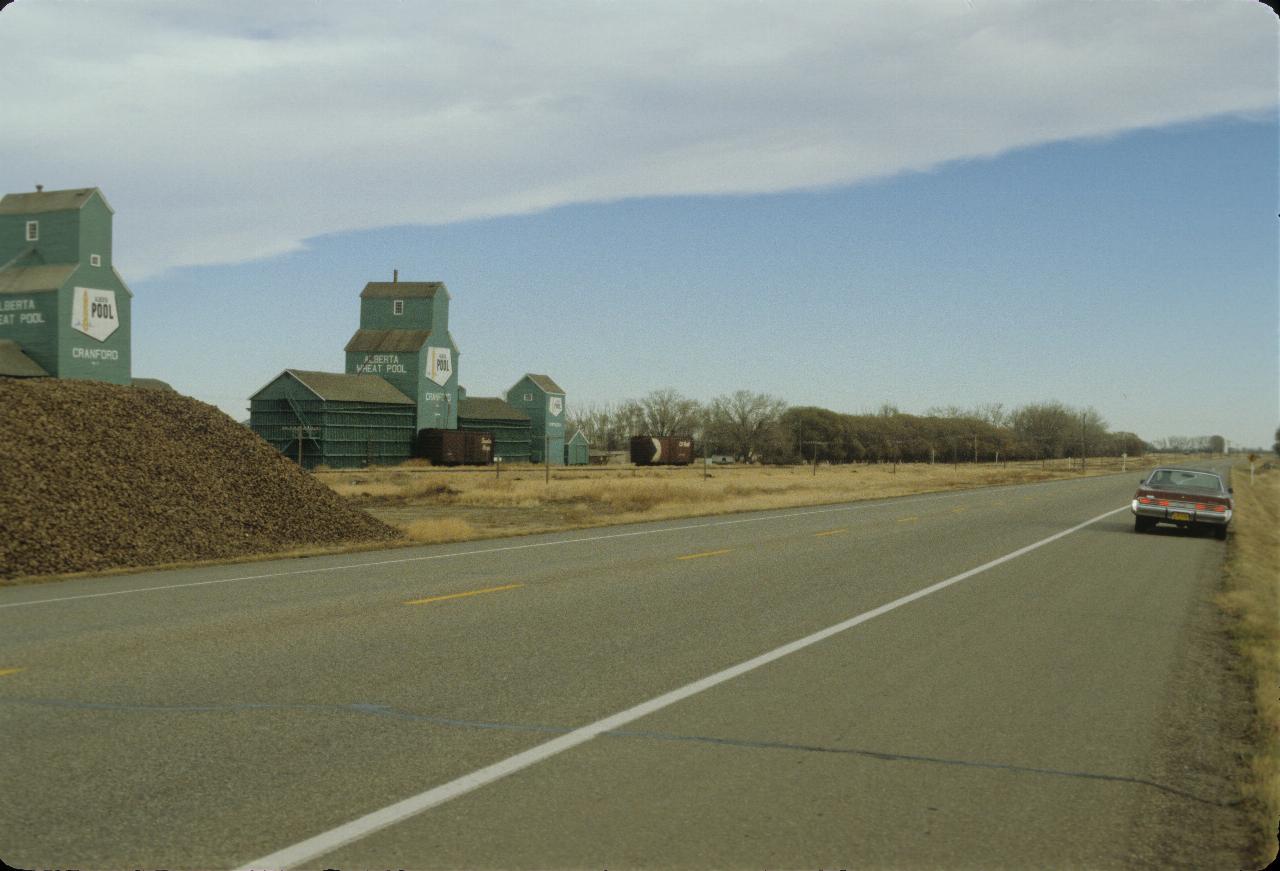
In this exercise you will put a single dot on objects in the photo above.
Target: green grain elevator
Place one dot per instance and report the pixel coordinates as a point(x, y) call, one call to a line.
point(543, 400)
point(62, 303)
point(404, 338)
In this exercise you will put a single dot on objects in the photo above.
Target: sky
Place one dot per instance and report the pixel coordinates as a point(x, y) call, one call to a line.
point(919, 203)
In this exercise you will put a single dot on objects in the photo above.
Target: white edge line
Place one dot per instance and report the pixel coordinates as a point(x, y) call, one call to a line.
point(327, 842)
point(927, 497)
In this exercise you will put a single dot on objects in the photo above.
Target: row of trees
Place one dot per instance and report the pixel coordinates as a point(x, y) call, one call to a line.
point(758, 426)
point(1214, 444)
point(740, 423)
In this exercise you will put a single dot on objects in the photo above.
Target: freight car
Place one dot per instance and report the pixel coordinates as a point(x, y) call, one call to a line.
point(452, 447)
point(662, 450)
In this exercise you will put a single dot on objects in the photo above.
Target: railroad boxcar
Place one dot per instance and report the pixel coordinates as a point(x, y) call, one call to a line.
point(661, 450)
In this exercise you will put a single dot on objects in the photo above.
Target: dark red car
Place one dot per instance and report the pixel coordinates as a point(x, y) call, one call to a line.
point(1189, 498)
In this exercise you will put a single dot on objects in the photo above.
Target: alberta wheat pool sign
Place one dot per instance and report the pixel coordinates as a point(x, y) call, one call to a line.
point(439, 365)
point(93, 312)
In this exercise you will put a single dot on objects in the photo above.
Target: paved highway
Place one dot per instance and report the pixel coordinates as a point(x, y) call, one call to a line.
point(994, 678)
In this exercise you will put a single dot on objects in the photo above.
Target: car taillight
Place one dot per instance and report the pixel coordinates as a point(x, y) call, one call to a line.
point(1200, 506)
point(1145, 500)
point(1220, 508)
point(1163, 502)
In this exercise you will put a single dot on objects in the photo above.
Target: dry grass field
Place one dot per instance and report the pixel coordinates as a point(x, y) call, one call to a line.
point(436, 505)
point(1252, 599)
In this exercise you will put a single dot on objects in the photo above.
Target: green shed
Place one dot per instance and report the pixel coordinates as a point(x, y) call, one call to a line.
point(61, 300)
point(340, 420)
point(543, 400)
point(509, 426)
point(577, 452)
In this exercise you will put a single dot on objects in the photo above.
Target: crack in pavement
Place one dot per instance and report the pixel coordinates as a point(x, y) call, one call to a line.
point(388, 711)
point(936, 760)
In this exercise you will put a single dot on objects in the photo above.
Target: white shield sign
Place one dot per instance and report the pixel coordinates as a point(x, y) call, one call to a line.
point(439, 365)
point(93, 312)
point(555, 405)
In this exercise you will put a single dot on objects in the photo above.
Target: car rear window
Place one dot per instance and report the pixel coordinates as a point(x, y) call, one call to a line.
point(1180, 479)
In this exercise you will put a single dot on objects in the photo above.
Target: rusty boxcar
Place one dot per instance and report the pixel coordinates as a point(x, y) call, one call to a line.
point(479, 448)
point(662, 450)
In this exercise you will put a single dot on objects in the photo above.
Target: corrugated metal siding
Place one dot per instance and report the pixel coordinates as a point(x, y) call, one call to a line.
point(510, 437)
point(338, 434)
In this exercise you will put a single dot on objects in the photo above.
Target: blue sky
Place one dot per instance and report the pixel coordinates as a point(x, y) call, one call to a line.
point(926, 204)
point(1136, 274)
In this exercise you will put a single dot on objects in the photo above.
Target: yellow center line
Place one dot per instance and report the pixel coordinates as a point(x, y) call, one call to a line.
point(5, 671)
point(910, 519)
point(831, 532)
point(957, 509)
point(462, 595)
point(701, 555)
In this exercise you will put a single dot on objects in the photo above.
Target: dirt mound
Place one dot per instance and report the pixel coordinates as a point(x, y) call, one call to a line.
point(96, 476)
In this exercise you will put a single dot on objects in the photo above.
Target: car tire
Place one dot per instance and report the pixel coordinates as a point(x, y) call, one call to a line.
point(1142, 524)
point(1220, 533)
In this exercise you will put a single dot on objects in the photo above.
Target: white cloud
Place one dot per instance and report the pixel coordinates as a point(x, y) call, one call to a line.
point(235, 131)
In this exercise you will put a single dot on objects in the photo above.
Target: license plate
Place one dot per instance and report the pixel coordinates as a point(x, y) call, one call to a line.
point(1179, 515)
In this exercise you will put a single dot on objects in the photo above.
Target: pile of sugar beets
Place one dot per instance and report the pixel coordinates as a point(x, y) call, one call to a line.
point(97, 476)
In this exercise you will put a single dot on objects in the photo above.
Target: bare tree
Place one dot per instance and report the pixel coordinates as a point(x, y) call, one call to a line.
point(664, 412)
point(1045, 429)
point(604, 425)
point(744, 421)
point(993, 413)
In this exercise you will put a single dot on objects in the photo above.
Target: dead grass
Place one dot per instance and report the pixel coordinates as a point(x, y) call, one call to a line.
point(521, 501)
point(439, 529)
point(1251, 598)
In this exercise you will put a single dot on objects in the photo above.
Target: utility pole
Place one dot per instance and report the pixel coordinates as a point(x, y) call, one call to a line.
point(297, 432)
point(546, 455)
point(815, 455)
point(975, 449)
point(1083, 449)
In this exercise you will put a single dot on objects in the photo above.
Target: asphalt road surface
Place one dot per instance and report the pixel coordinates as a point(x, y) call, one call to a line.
point(996, 678)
